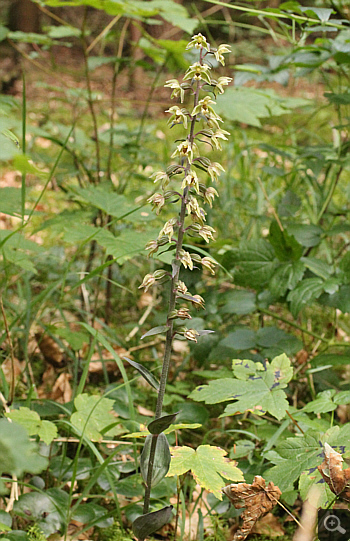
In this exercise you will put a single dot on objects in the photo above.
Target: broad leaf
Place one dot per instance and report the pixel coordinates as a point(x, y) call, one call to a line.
point(254, 263)
point(208, 465)
point(17, 453)
point(305, 292)
point(256, 387)
point(286, 277)
point(159, 425)
point(31, 421)
point(285, 245)
point(93, 415)
point(156, 330)
point(46, 509)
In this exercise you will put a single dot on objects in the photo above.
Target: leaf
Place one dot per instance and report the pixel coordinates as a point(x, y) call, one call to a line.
point(285, 245)
point(257, 499)
point(305, 292)
point(161, 461)
point(332, 472)
point(322, 404)
point(249, 105)
point(239, 340)
point(93, 415)
point(239, 302)
point(145, 373)
point(254, 263)
point(146, 525)
point(303, 454)
point(47, 509)
point(172, 428)
point(257, 388)
point(17, 453)
point(159, 425)
point(208, 465)
point(286, 277)
point(156, 330)
point(32, 423)
point(308, 235)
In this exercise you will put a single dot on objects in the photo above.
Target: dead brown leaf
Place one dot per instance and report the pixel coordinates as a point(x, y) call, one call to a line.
point(269, 525)
point(332, 472)
point(18, 368)
point(49, 349)
point(257, 499)
point(62, 391)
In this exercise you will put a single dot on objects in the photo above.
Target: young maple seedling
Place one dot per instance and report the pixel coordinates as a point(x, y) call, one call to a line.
point(201, 125)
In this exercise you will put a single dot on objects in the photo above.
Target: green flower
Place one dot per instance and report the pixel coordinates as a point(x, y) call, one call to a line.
point(198, 41)
point(198, 72)
point(220, 51)
point(191, 334)
point(219, 134)
point(186, 260)
point(178, 91)
point(168, 229)
point(157, 200)
point(178, 116)
point(191, 180)
point(209, 195)
point(161, 175)
point(214, 170)
point(185, 150)
point(209, 264)
point(221, 82)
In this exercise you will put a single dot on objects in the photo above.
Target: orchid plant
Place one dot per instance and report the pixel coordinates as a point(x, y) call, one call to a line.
point(201, 124)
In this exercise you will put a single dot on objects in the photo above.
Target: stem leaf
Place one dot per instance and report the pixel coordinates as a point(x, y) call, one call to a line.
point(159, 425)
point(145, 373)
point(155, 330)
point(147, 524)
point(161, 461)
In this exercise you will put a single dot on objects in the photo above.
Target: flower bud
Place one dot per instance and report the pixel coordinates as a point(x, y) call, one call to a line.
point(157, 201)
point(152, 246)
point(209, 264)
point(199, 302)
point(148, 281)
point(191, 334)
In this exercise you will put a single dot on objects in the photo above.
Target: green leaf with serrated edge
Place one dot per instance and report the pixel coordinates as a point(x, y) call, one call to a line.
point(323, 494)
point(93, 415)
point(256, 388)
point(286, 246)
point(305, 292)
point(159, 425)
point(208, 465)
point(254, 263)
point(322, 404)
point(172, 428)
point(239, 302)
point(145, 373)
point(318, 267)
point(32, 423)
point(305, 453)
point(161, 460)
point(286, 277)
point(308, 235)
point(149, 523)
point(156, 330)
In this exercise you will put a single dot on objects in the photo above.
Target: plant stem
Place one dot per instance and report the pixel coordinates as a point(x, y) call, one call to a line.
point(170, 322)
point(292, 324)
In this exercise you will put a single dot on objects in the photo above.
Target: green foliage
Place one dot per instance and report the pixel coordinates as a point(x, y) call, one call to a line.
point(18, 454)
point(255, 386)
point(30, 420)
point(93, 417)
point(208, 465)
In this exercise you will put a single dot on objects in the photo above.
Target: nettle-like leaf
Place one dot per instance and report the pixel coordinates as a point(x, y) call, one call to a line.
point(303, 454)
point(93, 415)
point(254, 263)
point(208, 465)
point(256, 387)
point(30, 420)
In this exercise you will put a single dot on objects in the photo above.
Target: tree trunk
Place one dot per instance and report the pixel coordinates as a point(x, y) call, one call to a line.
point(24, 15)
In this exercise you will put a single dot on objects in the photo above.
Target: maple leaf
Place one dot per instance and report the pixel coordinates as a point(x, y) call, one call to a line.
point(257, 499)
point(208, 465)
point(332, 472)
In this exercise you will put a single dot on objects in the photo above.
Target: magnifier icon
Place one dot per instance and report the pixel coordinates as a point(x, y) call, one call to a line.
point(332, 524)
